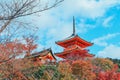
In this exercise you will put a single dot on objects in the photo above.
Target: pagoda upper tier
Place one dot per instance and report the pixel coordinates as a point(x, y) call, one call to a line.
point(74, 40)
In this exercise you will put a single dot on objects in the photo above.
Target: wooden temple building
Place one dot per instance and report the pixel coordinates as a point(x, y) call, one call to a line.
point(43, 56)
point(74, 47)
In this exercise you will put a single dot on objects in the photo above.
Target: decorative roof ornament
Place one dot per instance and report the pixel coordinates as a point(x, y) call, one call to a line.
point(73, 27)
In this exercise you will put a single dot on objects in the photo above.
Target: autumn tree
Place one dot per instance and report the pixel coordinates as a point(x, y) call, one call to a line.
point(47, 72)
point(102, 64)
point(10, 50)
point(15, 69)
point(65, 69)
point(30, 44)
point(82, 70)
point(105, 69)
point(116, 61)
point(12, 65)
point(109, 75)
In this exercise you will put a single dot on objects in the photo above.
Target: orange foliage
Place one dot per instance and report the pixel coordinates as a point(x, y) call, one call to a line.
point(10, 67)
point(109, 75)
point(65, 69)
point(83, 70)
point(10, 50)
point(102, 64)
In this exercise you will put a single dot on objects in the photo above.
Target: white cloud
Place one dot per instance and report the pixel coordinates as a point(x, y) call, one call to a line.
point(61, 16)
point(111, 51)
point(83, 27)
point(68, 8)
point(86, 8)
point(101, 41)
point(106, 22)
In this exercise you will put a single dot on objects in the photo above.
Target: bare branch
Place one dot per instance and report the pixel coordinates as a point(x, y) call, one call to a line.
point(15, 9)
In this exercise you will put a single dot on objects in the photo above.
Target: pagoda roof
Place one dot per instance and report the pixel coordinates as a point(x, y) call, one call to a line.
point(72, 38)
point(42, 54)
point(83, 53)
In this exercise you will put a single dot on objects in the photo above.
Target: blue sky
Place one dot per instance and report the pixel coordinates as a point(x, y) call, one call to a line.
point(97, 21)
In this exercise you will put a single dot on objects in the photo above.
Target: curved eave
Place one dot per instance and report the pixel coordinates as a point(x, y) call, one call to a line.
point(43, 54)
point(82, 53)
point(62, 55)
point(74, 38)
point(52, 54)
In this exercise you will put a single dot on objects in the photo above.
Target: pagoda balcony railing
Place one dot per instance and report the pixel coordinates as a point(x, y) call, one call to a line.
point(73, 47)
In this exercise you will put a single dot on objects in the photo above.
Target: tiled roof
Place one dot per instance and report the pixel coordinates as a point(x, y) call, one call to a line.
point(42, 53)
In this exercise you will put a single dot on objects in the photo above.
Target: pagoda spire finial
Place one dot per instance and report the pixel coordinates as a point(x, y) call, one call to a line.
point(73, 26)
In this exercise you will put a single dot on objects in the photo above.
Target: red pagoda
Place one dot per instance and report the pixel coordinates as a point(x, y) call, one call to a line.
point(74, 47)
